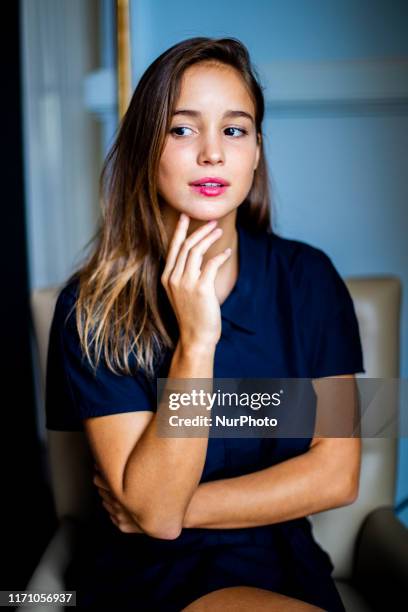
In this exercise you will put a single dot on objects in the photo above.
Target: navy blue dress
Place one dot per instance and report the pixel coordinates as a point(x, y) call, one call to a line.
point(289, 315)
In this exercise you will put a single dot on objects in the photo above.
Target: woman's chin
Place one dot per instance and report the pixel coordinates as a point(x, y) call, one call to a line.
point(209, 208)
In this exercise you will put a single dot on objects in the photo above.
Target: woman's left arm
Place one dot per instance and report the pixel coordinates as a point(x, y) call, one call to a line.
point(322, 478)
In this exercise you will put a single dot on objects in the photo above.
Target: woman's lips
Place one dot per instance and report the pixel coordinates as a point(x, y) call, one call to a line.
point(209, 191)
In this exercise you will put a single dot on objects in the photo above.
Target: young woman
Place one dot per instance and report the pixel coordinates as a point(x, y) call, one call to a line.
point(187, 280)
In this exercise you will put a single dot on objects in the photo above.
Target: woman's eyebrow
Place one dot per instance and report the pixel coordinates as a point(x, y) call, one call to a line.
point(228, 113)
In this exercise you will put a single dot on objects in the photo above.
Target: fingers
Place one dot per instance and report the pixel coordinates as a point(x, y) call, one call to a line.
point(109, 508)
point(99, 481)
point(125, 526)
point(180, 246)
point(121, 519)
point(192, 269)
point(175, 244)
point(191, 242)
point(116, 518)
point(117, 513)
point(108, 497)
point(211, 267)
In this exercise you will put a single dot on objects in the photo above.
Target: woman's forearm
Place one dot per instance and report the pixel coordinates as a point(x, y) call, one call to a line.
point(162, 473)
point(302, 485)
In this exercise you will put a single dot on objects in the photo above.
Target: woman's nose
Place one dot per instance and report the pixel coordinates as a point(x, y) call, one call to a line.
point(211, 151)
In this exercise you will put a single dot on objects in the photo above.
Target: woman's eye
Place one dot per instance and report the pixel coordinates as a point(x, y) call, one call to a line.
point(175, 130)
point(237, 129)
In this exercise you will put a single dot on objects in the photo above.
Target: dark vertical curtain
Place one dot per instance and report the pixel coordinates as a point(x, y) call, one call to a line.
point(27, 519)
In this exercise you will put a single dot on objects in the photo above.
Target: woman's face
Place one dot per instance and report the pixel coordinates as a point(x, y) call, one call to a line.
point(212, 136)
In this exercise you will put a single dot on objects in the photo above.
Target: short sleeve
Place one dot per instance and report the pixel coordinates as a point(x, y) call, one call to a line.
point(73, 391)
point(330, 334)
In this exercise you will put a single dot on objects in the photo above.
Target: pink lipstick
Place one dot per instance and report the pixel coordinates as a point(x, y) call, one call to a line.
point(210, 185)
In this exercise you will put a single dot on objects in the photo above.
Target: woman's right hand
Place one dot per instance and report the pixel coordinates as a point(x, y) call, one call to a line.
point(191, 291)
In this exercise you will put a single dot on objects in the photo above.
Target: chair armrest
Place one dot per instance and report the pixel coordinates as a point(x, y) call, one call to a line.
point(380, 565)
point(50, 571)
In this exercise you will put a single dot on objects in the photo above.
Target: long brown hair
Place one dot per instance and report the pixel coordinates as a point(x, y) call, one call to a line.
point(117, 309)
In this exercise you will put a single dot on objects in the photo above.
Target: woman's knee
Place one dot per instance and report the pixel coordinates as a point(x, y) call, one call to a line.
point(242, 599)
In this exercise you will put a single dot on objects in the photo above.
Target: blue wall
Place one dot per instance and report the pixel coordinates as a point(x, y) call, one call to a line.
point(338, 159)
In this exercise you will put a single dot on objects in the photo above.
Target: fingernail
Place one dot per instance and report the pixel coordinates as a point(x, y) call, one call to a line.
point(228, 251)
